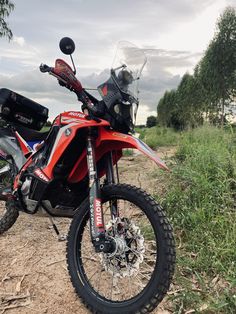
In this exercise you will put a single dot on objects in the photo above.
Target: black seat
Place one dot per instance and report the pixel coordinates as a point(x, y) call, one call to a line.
point(31, 135)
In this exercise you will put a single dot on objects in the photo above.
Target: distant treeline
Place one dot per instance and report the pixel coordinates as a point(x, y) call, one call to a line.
point(211, 89)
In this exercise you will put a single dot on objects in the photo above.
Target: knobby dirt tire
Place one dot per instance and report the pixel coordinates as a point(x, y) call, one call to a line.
point(152, 295)
point(9, 218)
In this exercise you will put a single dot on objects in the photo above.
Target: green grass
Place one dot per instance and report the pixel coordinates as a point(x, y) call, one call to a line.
point(200, 199)
point(128, 152)
point(157, 136)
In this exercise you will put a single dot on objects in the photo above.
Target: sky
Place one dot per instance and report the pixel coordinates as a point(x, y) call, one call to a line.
point(173, 34)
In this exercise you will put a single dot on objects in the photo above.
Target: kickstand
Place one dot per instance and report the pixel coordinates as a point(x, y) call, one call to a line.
point(61, 237)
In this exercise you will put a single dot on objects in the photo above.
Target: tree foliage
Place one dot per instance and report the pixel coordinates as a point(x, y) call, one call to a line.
point(211, 88)
point(151, 121)
point(6, 7)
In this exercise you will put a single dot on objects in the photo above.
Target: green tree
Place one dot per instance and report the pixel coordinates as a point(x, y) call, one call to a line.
point(6, 7)
point(189, 108)
point(211, 88)
point(151, 121)
point(167, 110)
point(218, 66)
point(182, 108)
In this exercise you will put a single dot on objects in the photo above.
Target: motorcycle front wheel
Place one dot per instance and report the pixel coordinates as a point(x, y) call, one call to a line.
point(134, 279)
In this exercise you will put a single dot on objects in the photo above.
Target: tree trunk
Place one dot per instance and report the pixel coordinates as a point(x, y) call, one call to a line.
point(222, 111)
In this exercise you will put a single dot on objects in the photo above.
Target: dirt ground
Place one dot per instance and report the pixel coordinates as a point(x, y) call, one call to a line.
point(33, 273)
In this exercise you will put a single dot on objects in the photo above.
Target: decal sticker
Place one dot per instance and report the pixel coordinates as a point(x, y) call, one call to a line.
point(119, 135)
point(39, 173)
point(68, 132)
point(98, 213)
point(76, 114)
point(72, 120)
point(23, 119)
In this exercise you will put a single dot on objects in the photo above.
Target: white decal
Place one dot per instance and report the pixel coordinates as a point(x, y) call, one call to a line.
point(41, 175)
point(98, 213)
point(76, 114)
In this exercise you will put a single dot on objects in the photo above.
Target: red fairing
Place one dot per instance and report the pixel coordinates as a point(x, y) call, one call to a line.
point(63, 70)
point(70, 122)
point(68, 117)
point(107, 140)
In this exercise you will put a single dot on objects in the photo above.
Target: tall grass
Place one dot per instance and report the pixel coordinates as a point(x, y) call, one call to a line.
point(200, 199)
point(158, 136)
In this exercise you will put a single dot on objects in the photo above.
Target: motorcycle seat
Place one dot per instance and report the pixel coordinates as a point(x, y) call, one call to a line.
point(30, 135)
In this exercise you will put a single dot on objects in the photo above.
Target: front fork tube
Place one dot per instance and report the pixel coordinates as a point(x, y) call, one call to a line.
point(96, 214)
point(97, 227)
point(111, 180)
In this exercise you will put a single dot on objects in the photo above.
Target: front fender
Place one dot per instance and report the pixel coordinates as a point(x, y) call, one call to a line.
point(129, 141)
point(107, 141)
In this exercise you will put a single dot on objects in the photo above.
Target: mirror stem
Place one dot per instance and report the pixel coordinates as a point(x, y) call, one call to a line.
point(73, 64)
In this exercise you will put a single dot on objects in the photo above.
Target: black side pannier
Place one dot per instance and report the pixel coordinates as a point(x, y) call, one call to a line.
point(18, 109)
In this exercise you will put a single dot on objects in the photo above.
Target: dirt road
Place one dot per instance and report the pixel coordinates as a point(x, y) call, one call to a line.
point(33, 273)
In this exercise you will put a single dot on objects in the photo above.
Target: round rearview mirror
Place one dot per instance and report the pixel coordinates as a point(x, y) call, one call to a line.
point(67, 45)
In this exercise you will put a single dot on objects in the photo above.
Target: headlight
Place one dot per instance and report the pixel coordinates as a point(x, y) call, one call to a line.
point(117, 109)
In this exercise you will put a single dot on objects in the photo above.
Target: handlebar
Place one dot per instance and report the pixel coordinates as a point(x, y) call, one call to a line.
point(87, 100)
point(45, 68)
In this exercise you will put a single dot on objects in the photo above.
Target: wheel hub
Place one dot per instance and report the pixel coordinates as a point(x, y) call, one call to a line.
point(129, 252)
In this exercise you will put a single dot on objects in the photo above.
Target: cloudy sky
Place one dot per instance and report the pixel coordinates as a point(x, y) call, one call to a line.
point(173, 33)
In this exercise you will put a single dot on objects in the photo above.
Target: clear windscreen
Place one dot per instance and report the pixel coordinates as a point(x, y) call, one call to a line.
point(129, 61)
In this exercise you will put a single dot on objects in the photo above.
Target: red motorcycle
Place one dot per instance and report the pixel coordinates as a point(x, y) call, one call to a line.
point(120, 246)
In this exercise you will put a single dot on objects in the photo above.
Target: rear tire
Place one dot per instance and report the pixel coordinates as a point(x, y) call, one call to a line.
point(9, 216)
point(8, 211)
point(162, 240)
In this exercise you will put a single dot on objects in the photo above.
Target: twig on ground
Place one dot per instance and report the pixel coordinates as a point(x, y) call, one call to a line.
point(18, 285)
point(15, 297)
point(65, 268)
point(13, 262)
point(21, 247)
point(33, 253)
point(62, 260)
point(139, 181)
point(175, 291)
point(36, 262)
point(6, 277)
point(14, 306)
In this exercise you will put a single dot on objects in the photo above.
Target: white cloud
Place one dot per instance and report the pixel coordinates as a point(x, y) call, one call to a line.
point(19, 40)
point(175, 32)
